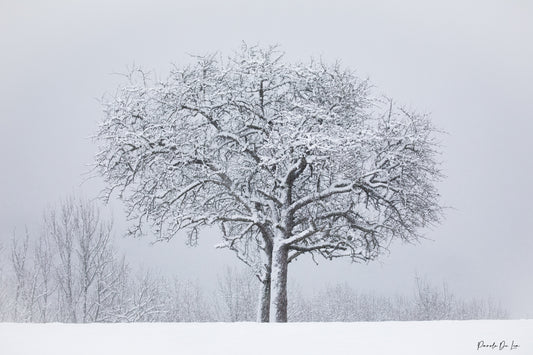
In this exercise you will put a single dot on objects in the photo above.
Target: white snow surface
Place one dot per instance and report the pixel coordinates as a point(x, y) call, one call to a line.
point(436, 337)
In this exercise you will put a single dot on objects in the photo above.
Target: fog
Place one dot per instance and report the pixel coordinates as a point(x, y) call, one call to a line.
point(468, 64)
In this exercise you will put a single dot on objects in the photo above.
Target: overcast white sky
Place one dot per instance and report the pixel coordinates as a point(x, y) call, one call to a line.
point(468, 63)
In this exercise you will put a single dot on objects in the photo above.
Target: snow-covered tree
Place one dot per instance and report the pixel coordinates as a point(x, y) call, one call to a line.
point(81, 240)
point(285, 158)
point(236, 296)
point(24, 279)
point(43, 264)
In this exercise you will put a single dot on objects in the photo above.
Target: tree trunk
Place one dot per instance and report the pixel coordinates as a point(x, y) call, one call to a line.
point(278, 303)
point(85, 293)
point(265, 288)
point(264, 301)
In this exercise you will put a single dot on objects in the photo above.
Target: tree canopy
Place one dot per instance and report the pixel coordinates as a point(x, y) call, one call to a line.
point(285, 158)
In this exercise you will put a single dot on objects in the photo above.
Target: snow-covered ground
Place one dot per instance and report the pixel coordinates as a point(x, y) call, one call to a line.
point(432, 338)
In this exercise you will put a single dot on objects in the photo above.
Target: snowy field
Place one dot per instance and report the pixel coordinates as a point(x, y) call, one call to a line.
point(440, 337)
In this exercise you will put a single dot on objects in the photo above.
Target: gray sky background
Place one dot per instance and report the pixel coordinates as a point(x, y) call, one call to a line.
point(468, 63)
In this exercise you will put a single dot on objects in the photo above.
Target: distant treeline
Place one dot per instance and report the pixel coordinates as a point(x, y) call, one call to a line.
point(71, 272)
